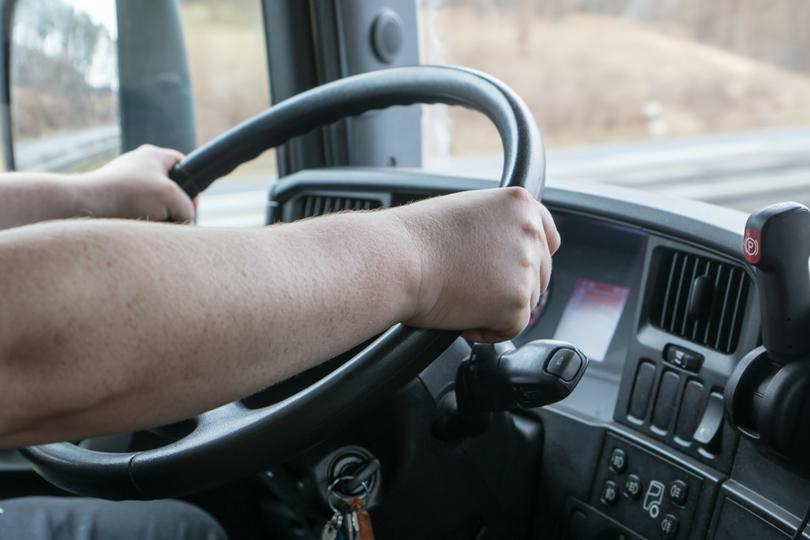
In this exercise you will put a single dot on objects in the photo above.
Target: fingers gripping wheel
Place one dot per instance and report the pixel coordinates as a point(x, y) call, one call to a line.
point(234, 441)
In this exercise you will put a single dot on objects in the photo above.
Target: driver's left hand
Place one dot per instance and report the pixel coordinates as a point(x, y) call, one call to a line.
point(136, 185)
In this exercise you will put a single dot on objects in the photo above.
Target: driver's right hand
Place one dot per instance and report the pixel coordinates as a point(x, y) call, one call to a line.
point(484, 260)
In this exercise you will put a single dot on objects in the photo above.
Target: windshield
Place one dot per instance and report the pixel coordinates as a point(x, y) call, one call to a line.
point(708, 100)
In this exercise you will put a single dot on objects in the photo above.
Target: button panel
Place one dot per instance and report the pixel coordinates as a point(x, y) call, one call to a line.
point(682, 410)
point(658, 499)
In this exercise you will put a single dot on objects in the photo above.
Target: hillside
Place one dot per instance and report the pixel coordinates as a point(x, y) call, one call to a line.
point(594, 78)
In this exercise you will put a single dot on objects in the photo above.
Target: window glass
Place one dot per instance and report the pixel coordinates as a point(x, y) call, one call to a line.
point(64, 84)
point(702, 99)
point(230, 83)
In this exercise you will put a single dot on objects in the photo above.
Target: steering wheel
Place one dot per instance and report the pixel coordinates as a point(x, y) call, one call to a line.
point(233, 440)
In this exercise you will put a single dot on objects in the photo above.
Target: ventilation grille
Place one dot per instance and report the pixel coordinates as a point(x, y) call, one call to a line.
point(719, 324)
point(319, 205)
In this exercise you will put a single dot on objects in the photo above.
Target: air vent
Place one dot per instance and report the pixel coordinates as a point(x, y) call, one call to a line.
point(319, 205)
point(699, 299)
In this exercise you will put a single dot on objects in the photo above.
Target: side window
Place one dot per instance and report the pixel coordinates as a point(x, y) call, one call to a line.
point(229, 72)
point(64, 84)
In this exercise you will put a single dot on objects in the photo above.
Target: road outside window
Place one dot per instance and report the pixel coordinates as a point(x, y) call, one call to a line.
point(230, 83)
point(706, 100)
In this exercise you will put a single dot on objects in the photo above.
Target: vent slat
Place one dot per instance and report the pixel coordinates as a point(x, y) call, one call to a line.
point(720, 328)
point(667, 295)
point(736, 319)
point(686, 317)
point(709, 322)
point(696, 322)
point(678, 305)
point(722, 331)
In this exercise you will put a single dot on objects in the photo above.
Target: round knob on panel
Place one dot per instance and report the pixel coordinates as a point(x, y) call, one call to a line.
point(387, 35)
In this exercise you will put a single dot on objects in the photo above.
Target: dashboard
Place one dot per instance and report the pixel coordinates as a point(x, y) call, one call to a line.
point(641, 448)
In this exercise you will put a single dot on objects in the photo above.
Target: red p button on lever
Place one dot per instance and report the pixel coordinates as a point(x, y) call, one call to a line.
point(752, 248)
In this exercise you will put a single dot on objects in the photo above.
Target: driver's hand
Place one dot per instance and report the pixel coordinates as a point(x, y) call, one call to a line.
point(136, 185)
point(485, 260)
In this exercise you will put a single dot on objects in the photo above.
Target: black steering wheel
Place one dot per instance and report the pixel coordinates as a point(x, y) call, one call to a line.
point(234, 440)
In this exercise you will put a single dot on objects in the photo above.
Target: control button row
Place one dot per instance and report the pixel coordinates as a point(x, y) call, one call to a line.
point(633, 486)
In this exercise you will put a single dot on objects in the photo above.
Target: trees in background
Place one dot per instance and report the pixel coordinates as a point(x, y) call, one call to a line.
point(63, 69)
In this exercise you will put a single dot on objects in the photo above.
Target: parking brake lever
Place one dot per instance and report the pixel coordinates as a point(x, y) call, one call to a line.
point(537, 374)
point(765, 396)
point(777, 244)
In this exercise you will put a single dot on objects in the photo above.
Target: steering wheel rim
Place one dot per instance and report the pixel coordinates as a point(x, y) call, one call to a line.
point(269, 435)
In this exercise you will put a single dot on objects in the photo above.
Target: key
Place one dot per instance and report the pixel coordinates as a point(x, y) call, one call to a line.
point(331, 531)
point(365, 532)
point(362, 519)
point(347, 531)
point(351, 527)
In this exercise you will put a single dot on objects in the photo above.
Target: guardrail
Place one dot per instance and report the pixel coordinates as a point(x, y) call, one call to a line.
point(69, 151)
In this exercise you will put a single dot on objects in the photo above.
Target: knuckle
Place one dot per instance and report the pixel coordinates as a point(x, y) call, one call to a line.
point(531, 228)
point(516, 200)
point(517, 193)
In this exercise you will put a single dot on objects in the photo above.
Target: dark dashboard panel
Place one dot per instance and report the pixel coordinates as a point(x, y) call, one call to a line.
point(655, 387)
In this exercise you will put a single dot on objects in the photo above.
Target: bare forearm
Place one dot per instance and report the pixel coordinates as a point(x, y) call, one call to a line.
point(113, 326)
point(33, 197)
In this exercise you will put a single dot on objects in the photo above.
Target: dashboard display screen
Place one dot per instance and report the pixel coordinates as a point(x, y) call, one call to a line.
point(591, 316)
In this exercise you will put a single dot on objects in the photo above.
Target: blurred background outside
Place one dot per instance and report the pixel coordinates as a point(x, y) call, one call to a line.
point(701, 99)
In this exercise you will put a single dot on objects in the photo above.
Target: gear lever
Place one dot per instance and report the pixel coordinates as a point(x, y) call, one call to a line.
point(537, 374)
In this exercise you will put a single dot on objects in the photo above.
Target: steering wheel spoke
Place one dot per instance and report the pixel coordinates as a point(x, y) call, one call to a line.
point(226, 413)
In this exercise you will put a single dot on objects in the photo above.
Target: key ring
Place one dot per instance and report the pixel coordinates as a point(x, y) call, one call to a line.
point(331, 491)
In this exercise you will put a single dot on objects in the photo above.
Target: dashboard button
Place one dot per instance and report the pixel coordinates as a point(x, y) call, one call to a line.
point(710, 430)
point(610, 493)
point(690, 410)
point(565, 364)
point(679, 492)
point(683, 358)
point(666, 402)
point(633, 486)
point(669, 526)
point(618, 460)
point(642, 390)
